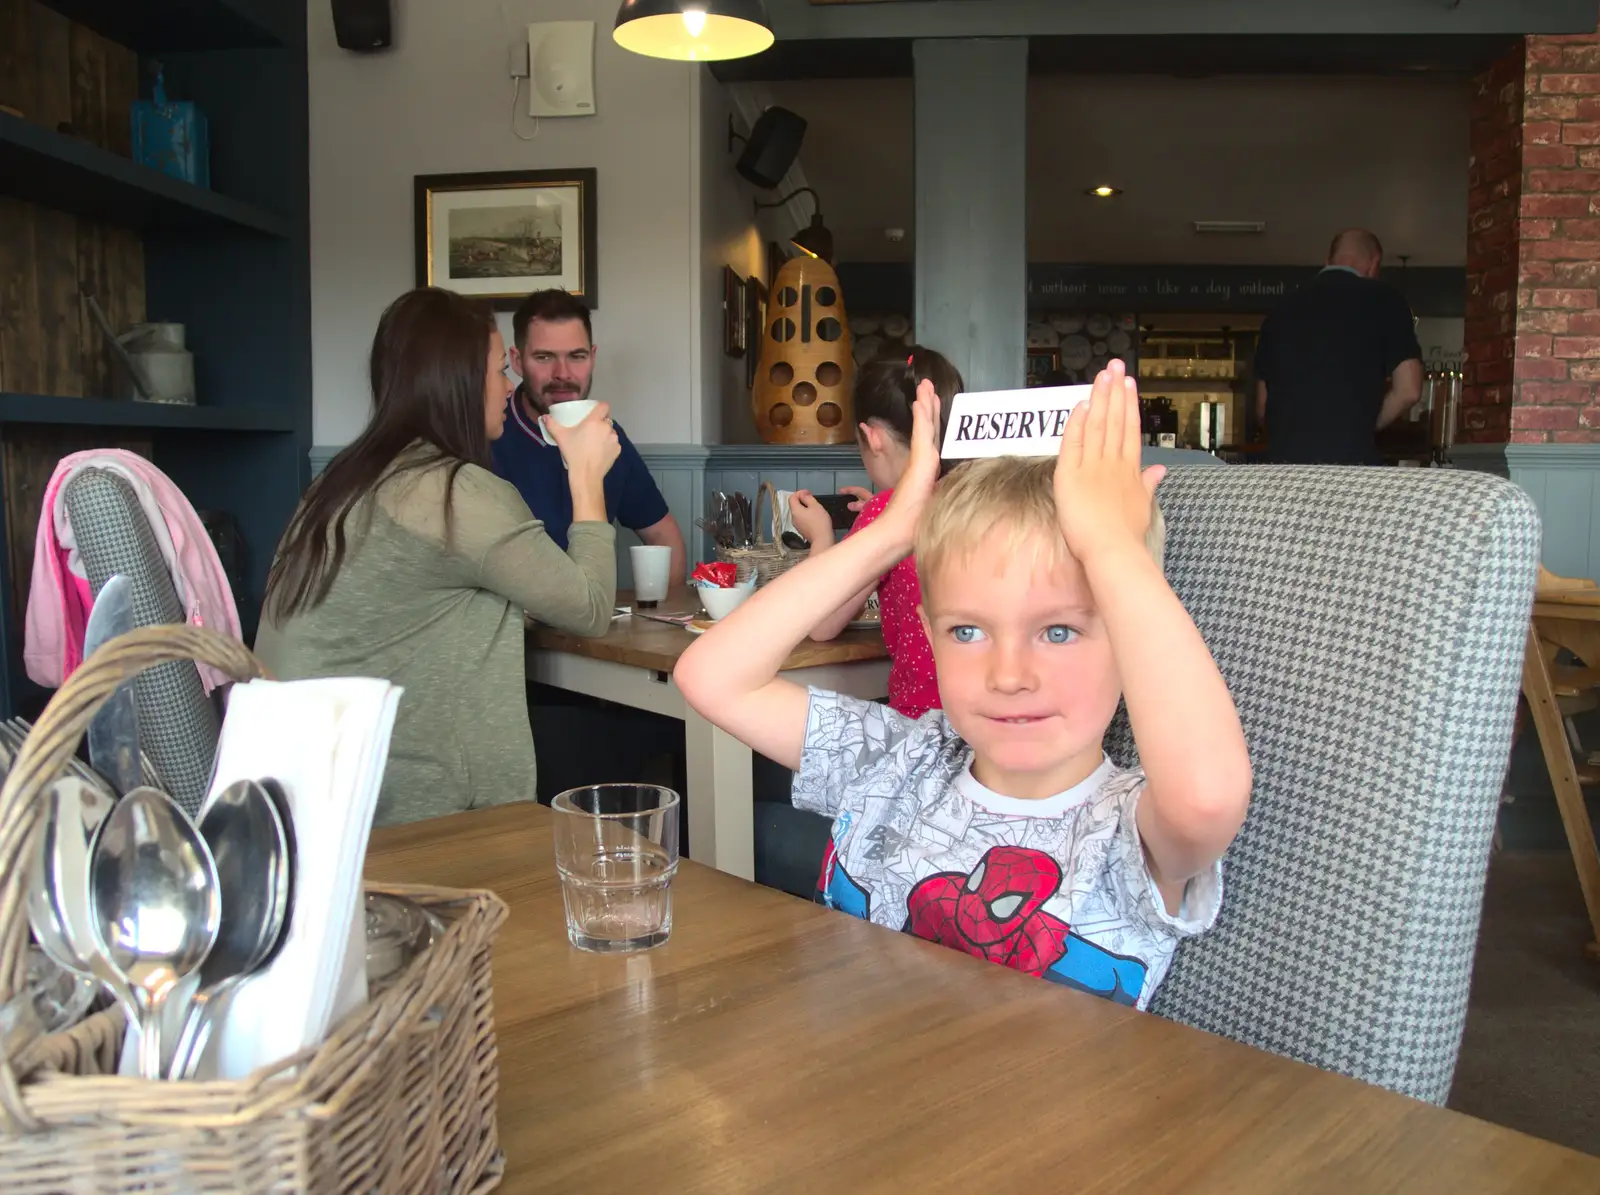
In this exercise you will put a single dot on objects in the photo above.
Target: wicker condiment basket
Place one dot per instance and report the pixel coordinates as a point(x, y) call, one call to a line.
point(765, 560)
point(400, 1097)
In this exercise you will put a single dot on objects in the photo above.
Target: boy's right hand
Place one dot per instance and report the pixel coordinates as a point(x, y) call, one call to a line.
point(591, 447)
point(914, 490)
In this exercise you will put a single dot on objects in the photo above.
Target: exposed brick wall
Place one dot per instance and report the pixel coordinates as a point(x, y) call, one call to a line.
point(1533, 247)
point(1494, 198)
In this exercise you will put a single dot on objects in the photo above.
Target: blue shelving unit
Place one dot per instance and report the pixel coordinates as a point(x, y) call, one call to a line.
point(57, 171)
point(231, 263)
point(106, 412)
point(187, 25)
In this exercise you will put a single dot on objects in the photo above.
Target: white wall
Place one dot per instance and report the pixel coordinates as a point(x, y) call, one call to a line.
point(729, 236)
point(733, 233)
point(439, 101)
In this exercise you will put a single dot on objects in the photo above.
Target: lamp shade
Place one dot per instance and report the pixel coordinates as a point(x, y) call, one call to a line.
point(815, 239)
point(692, 30)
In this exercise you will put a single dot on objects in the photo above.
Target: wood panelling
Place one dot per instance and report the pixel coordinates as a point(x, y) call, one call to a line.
point(28, 456)
point(688, 474)
point(1564, 482)
point(69, 79)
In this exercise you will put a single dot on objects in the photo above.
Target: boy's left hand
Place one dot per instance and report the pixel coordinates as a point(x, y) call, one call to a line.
point(1103, 501)
point(914, 490)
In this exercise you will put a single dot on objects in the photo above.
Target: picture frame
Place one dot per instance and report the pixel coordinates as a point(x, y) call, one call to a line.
point(755, 316)
point(733, 312)
point(1041, 362)
point(500, 235)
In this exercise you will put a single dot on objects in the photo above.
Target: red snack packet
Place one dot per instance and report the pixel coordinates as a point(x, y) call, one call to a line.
point(723, 576)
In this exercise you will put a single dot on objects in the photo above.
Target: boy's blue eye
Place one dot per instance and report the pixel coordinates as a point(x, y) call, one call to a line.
point(966, 634)
point(1059, 634)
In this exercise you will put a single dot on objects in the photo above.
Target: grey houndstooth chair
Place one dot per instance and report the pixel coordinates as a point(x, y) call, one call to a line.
point(1370, 624)
point(178, 723)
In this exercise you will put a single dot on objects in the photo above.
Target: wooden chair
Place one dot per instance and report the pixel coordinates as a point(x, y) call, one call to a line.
point(1566, 614)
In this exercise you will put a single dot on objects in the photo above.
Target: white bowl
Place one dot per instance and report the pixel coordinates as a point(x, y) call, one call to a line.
point(572, 412)
point(720, 603)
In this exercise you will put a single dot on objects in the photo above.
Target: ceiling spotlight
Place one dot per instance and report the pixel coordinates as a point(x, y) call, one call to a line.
point(1103, 191)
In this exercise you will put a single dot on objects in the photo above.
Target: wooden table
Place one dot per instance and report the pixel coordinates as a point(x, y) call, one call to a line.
point(1565, 615)
point(632, 665)
point(774, 1046)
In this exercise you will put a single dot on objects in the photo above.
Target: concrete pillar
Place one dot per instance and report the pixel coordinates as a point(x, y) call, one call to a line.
point(971, 133)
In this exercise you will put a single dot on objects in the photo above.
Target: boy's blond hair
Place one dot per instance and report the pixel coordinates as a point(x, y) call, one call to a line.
point(1008, 500)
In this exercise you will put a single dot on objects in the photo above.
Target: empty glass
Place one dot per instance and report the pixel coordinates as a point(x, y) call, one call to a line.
point(617, 850)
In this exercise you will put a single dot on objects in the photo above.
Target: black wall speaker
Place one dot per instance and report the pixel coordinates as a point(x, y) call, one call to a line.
point(362, 25)
point(774, 143)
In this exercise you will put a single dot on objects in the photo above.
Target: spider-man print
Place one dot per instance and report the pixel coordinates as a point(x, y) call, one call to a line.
point(844, 894)
point(996, 912)
point(1086, 967)
point(919, 845)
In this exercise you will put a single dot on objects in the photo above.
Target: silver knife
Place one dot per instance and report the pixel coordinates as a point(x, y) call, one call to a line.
point(114, 733)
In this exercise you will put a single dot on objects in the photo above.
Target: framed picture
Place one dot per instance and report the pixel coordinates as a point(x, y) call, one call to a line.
point(733, 317)
point(755, 318)
point(1042, 362)
point(500, 236)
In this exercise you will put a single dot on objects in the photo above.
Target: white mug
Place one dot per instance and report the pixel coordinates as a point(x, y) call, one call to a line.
point(567, 414)
point(652, 573)
point(572, 412)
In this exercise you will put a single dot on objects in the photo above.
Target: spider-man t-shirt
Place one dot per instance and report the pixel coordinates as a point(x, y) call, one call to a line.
point(1057, 888)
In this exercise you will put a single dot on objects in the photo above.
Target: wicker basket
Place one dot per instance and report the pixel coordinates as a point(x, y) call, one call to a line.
point(766, 560)
point(399, 1098)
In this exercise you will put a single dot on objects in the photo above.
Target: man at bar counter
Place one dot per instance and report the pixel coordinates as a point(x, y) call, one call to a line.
point(1337, 361)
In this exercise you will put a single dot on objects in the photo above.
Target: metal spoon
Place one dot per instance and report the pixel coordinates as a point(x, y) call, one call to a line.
point(58, 891)
point(249, 841)
point(154, 905)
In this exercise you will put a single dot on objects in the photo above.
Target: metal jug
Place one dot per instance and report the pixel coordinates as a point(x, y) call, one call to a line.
point(166, 367)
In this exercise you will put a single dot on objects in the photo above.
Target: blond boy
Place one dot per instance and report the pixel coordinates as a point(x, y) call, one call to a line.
point(997, 825)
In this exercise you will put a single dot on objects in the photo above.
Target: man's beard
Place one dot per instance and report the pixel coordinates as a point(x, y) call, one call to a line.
point(554, 393)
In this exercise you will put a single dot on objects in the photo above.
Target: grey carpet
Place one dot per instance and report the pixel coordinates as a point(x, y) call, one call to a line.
point(1530, 1059)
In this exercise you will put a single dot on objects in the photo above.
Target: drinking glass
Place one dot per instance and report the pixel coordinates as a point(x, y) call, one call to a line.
point(616, 851)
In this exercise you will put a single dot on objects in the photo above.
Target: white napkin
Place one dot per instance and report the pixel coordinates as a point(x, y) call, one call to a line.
point(326, 743)
point(785, 516)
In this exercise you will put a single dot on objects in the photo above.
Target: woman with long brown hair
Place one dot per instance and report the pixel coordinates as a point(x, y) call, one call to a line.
point(408, 559)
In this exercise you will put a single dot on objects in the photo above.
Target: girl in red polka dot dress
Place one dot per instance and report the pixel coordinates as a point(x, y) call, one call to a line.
point(884, 393)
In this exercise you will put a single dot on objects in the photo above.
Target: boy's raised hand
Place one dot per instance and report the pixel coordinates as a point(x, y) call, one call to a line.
point(1102, 499)
point(915, 488)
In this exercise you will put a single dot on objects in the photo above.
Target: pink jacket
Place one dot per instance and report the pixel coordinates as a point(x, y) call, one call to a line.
point(58, 596)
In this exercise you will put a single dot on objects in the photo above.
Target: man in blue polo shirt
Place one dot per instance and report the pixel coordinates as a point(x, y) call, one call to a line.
point(580, 740)
point(554, 353)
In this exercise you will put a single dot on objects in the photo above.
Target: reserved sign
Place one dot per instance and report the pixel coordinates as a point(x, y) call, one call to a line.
point(1010, 422)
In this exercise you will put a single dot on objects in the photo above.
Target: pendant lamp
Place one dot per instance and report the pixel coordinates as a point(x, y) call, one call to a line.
point(692, 30)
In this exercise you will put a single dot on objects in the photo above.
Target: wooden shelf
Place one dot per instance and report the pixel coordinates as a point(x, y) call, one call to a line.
point(165, 26)
point(69, 175)
point(105, 412)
